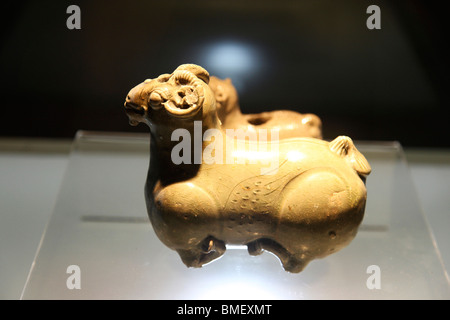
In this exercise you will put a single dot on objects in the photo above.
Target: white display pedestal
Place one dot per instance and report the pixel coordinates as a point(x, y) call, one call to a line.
point(100, 224)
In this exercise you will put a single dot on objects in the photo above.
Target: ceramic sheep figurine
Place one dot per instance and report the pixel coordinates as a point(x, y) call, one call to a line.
point(208, 186)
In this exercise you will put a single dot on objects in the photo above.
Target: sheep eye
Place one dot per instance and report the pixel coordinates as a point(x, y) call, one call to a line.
point(155, 99)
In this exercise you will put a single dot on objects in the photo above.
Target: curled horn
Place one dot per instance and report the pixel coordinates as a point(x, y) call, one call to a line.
point(185, 77)
point(192, 78)
point(192, 90)
point(198, 71)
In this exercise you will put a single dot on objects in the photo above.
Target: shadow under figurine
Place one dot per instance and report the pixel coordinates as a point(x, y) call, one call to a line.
point(210, 184)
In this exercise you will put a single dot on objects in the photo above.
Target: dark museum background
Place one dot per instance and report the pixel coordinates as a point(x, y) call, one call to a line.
point(308, 56)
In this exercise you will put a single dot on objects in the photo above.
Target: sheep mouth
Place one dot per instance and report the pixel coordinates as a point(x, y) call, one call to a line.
point(134, 108)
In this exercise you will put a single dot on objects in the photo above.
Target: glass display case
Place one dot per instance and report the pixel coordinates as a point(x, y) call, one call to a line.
point(100, 226)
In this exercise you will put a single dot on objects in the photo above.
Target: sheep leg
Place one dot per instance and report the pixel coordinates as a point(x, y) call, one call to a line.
point(291, 261)
point(204, 252)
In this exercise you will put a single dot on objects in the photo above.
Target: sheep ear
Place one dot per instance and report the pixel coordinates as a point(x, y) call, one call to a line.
point(198, 71)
